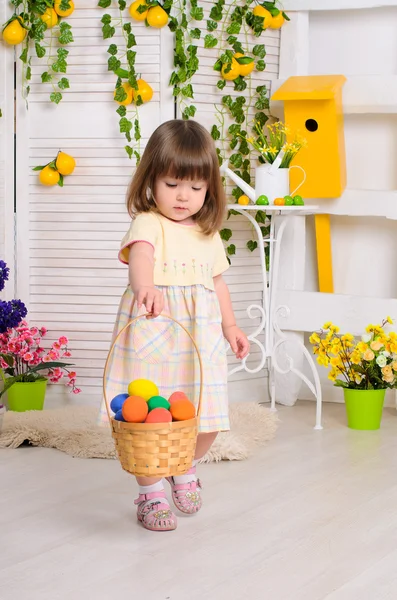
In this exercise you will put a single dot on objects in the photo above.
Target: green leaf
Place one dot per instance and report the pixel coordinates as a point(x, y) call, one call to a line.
point(63, 83)
point(107, 30)
point(218, 65)
point(231, 249)
point(24, 56)
point(341, 383)
point(125, 125)
point(113, 64)
point(260, 65)
point(189, 111)
point(131, 56)
point(49, 365)
point(104, 3)
point(260, 216)
point(197, 13)
point(226, 234)
point(38, 168)
point(60, 180)
point(195, 33)
point(232, 212)
point(127, 26)
point(262, 103)
point(236, 160)
point(122, 4)
point(131, 40)
point(221, 84)
point(215, 133)
point(212, 25)
point(227, 101)
point(46, 77)
point(129, 151)
point(40, 50)
point(137, 130)
point(259, 50)
point(252, 245)
point(120, 94)
point(122, 111)
point(60, 65)
point(112, 49)
point(28, 74)
point(66, 35)
point(56, 97)
point(187, 91)
point(240, 84)
point(9, 382)
point(244, 60)
point(233, 29)
point(210, 41)
point(123, 73)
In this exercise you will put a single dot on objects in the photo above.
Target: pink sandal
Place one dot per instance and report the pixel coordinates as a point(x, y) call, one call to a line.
point(154, 514)
point(186, 496)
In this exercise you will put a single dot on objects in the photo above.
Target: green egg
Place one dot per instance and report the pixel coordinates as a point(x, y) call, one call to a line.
point(263, 200)
point(298, 201)
point(158, 402)
point(289, 201)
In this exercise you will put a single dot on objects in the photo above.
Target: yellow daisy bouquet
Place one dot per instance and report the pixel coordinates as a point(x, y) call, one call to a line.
point(366, 364)
point(272, 139)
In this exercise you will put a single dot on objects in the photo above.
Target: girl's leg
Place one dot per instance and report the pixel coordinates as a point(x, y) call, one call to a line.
point(186, 488)
point(153, 508)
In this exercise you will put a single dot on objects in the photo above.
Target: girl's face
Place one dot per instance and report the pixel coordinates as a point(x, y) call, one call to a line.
point(179, 199)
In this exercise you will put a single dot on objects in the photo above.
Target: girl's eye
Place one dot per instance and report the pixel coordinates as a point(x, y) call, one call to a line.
point(171, 185)
point(196, 189)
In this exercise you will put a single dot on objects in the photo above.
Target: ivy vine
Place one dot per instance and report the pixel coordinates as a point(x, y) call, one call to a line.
point(35, 17)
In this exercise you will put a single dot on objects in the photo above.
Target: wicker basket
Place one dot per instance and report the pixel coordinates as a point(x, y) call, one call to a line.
point(155, 449)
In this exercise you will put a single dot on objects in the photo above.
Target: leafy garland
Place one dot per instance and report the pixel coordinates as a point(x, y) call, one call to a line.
point(30, 20)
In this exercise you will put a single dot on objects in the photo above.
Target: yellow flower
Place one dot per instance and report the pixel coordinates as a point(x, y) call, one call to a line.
point(327, 325)
point(332, 375)
point(336, 361)
point(323, 360)
point(314, 338)
point(376, 345)
point(394, 365)
point(250, 140)
point(388, 378)
point(368, 355)
point(393, 347)
point(272, 150)
point(393, 335)
point(389, 320)
point(348, 337)
point(387, 371)
point(355, 358)
point(362, 347)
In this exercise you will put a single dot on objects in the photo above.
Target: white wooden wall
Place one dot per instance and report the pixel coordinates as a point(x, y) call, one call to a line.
point(67, 239)
point(360, 43)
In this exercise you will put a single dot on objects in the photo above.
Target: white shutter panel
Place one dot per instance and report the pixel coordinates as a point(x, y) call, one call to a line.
point(68, 238)
point(244, 277)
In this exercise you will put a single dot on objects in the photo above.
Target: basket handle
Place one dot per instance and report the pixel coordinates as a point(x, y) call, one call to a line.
point(115, 341)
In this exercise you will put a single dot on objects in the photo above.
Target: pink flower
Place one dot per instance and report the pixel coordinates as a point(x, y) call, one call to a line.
point(76, 391)
point(72, 374)
point(28, 356)
point(63, 340)
point(43, 331)
point(53, 354)
point(67, 354)
point(34, 330)
point(56, 345)
point(47, 358)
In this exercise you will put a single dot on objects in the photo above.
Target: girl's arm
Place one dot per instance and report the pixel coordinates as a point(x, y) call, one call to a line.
point(237, 339)
point(140, 272)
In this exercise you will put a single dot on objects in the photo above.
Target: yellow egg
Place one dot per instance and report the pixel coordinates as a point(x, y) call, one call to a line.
point(244, 200)
point(144, 388)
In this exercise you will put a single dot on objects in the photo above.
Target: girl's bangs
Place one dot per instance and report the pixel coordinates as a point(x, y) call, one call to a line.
point(186, 163)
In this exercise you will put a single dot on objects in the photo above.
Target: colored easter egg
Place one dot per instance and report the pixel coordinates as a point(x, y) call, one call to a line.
point(289, 201)
point(135, 409)
point(158, 402)
point(279, 202)
point(159, 415)
point(119, 416)
point(262, 200)
point(183, 410)
point(143, 388)
point(176, 396)
point(118, 402)
point(298, 201)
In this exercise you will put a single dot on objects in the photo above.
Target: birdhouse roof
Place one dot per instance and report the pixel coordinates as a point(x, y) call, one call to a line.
point(310, 87)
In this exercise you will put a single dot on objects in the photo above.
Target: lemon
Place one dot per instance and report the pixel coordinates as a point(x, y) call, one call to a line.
point(157, 17)
point(243, 200)
point(277, 21)
point(130, 94)
point(247, 68)
point(144, 388)
point(63, 13)
point(234, 71)
point(14, 33)
point(50, 18)
point(65, 163)
point(133, 10)
point(144, 91)
point(49, 176)
point(260, 11)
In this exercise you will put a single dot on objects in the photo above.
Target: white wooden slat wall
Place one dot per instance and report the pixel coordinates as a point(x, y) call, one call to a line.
point(244, 277)
point(68, 238)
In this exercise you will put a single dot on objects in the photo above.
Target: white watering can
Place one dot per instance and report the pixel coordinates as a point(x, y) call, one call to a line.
point(270, 180)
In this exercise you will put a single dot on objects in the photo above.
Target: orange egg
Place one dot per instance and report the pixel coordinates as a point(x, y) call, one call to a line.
point(183, 410)
point(159, 415)
point(135, 409)
point(177, 396)
point(279, 202)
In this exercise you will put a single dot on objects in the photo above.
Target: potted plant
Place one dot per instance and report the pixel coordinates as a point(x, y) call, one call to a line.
point(364, 368)
point(25, 366)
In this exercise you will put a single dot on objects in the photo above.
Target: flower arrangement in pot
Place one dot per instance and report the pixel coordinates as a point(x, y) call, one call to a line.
point(365, 368)
point(25, 365)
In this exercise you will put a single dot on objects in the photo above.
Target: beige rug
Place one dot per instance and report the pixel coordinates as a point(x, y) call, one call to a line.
point(73, 430)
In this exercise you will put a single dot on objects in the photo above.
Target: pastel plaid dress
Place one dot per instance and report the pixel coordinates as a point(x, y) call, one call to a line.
point(160, 350)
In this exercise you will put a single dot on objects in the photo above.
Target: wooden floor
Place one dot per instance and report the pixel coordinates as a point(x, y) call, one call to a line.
point(312, 516)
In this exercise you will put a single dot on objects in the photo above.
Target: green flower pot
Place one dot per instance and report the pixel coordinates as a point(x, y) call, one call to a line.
point(27, 396)
point(364, 408)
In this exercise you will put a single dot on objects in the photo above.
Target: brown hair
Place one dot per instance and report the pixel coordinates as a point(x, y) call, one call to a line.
point(184, 150)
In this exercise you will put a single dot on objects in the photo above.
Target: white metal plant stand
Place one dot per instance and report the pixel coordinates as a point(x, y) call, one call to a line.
point(274, 337)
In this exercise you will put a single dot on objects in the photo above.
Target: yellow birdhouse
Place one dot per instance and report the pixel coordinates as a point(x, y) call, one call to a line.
point(313, 107)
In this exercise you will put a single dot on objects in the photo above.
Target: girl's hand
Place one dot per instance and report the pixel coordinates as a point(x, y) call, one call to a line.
point(238, 340)
point(152, 298)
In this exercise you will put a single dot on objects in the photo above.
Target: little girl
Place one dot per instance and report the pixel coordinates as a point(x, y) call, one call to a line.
point(176, 260)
